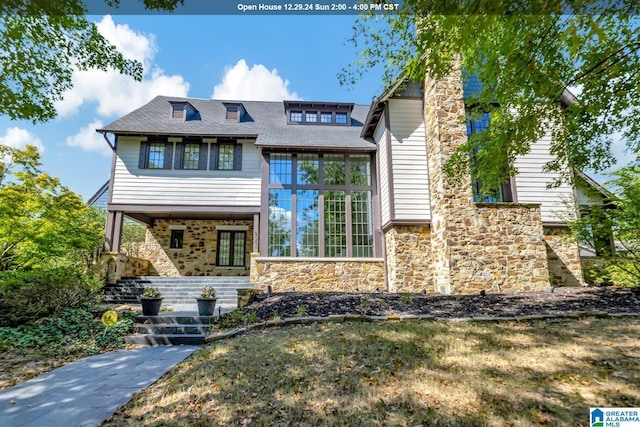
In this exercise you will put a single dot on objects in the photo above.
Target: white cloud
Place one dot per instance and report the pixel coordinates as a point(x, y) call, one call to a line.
point(90, 140)
point(19, 138)
point(116, 94)
point(253, 84)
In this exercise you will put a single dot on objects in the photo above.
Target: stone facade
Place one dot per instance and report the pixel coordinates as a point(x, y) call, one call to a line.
point(317, 275)
point(563, 253)
point(198, 254)
point(474, 247)
point(113, 267)
point(409, 262)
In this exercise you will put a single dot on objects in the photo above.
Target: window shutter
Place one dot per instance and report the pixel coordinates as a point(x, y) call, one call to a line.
point(202, 160)
point(213, 157)
point(144, 155)
point(237, 157)
point(179, 155)
point(168, 155)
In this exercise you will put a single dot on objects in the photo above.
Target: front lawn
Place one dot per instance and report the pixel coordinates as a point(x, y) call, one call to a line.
point(402, 373)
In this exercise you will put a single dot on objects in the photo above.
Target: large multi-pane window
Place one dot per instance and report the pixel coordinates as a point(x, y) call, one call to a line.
point(502, 194)
point(320, 205)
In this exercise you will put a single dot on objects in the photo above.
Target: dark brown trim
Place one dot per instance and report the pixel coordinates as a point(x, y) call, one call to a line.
point(514, 189)
point(378, 251)
point(183, 209)
point(390, 186)
point(316, 148)
point(256, 233)
point(405, 223)
point(264, 204)
point(117, 232)
point(554, 225)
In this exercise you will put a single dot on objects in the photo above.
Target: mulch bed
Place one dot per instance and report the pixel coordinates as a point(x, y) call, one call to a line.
point(560, 301)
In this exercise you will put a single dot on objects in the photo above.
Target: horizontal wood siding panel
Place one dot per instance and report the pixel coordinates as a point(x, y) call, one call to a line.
point(381, 142)
point(532, 181)
point(185, 187)
point(409, 154)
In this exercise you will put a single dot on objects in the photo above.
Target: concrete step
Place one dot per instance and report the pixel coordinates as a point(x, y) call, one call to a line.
point(178, 319)
point(165, 339)
point(172, 329)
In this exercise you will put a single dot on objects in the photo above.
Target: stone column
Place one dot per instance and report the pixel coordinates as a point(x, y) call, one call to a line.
point(450, 202)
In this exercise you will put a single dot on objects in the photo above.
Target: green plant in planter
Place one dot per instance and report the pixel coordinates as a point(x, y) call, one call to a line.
point(208, 292)
point(207, 301)
point(151, 301)
point(151, 292)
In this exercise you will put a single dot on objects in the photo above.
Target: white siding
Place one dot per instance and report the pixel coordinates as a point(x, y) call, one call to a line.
point(383, 171)
point(531, 184)
point(185, 187)
point(409, 160)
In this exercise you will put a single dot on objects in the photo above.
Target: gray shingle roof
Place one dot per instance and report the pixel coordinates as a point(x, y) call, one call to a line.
point(266, 121)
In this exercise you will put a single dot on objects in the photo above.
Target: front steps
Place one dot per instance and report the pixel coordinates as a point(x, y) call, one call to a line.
point(170, 329)
point(177, 290)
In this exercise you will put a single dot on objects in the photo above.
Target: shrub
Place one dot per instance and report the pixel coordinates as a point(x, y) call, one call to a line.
point(67, 332)
point(29, 295)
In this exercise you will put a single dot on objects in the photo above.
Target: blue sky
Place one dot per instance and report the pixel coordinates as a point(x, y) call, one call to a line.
point(237, 57)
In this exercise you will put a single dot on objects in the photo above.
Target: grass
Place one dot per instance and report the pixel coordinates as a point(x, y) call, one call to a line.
point(401, 374)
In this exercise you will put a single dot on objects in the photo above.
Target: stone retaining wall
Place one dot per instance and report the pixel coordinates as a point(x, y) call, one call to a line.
point(317, 275)
point(409, 262)
point(198, 254)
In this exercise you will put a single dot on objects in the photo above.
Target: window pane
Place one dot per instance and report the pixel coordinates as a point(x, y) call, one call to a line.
point(191, 156)
point(307, 223)
point(232, 113)
point(239, 248)
point(341, 118)
point(225, 156)
point(360, 170)
point(280, 168)
point(311, 117)
point(334, 169)
point(224, 248)
point(177, 236)
point(307, 168)
point(335, 224)
point(279, 223)
point(296, 116)
point(325, 118)
point(475, 126)
point(362, 224)
point(156, 155)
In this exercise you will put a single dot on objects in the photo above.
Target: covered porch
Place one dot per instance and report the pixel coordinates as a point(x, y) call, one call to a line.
point(183, 241)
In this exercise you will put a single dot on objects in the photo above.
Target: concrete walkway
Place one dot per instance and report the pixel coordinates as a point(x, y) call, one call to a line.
point(89, 390)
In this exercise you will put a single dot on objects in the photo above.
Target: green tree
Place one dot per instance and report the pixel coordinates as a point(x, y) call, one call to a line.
point(39, 219)
point(525, 54)
point(43, 42)
point(617, 220)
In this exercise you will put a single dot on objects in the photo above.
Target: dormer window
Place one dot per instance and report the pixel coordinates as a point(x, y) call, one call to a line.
point(233, 111)
point(183, 111)
point(318, 113)
point(177, 111)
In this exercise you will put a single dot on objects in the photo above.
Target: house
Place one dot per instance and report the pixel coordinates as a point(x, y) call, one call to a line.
point(334, 196)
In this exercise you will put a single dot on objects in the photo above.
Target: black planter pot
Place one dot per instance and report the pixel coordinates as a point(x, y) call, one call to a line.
point(206, 306)
point(150, 306)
